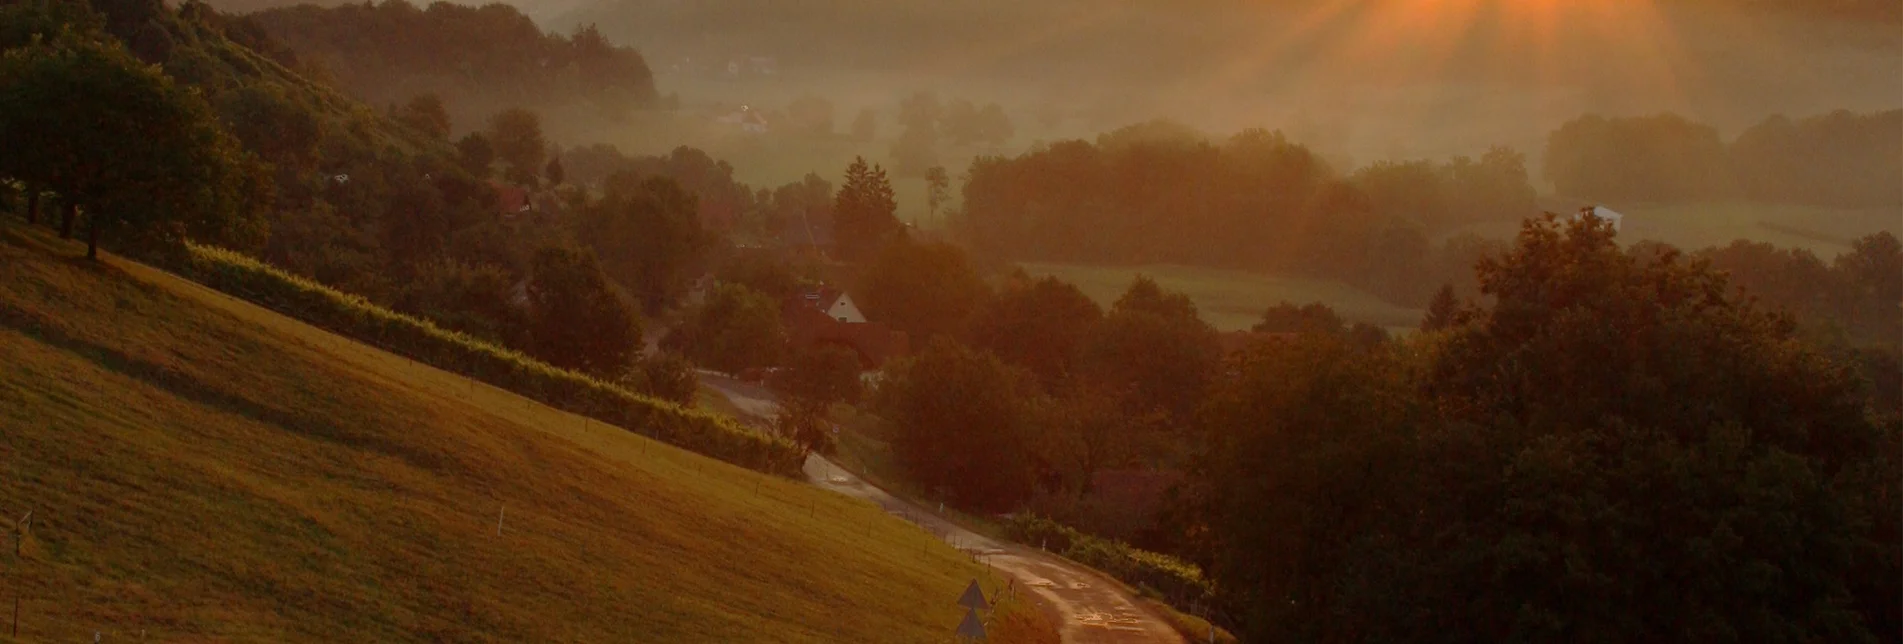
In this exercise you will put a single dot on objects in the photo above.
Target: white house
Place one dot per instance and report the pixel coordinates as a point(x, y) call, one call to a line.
point(837, 305)
point(1602, 212)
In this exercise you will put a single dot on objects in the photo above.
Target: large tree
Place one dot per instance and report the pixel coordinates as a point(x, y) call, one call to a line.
point(813, 380)
point(575, 320)
point(517, 136)
point(1154, 351)
point(648, 235)
point(734, 329)
point(864, 218)
point(143, 157)
point(961, 425)
point(925, 289)
point(1040, 325)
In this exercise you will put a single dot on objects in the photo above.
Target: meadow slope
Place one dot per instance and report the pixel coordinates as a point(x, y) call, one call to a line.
point(199, 468)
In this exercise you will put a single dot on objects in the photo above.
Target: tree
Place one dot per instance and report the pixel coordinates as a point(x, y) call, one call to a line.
point(813, 380)
point(960, 425)
point(1315, 317)
point(825, 375)
point(475, 154)
point(517, 136)
point(575, 321)
point(279, 129)
point(1039, 325)
point(734, 329)
point(864, 211)
point(668, 376)
point(1309, 448)
point(1443, 311)
point(1154, 351)
point(142, 156)
point(425, 113)
point(1084, 429)
point(937, 189)
point(554, 171)
point(924, 289)
point(648, 234)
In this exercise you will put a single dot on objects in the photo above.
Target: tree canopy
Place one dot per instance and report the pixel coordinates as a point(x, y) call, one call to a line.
point(863, 212)
point(575, 320)
point(1612, 450)
point(142, 156)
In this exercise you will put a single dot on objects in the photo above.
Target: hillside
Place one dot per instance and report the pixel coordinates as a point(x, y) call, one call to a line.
point(479, 60)
point(198, 468)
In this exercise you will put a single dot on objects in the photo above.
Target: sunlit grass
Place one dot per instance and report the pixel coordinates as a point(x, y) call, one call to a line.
point(203, 469)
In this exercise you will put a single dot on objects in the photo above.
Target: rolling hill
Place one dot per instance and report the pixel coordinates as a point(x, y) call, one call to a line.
point(198, 468)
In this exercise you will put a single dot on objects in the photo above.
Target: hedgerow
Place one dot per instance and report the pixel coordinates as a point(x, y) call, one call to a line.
point(1178, 582)
point(355, 317)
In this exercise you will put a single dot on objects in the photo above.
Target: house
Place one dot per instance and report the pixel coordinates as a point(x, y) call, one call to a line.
point(824, 316)
point(1602, 212)
point(746, 119)
point(837, 305)
point(511, 200)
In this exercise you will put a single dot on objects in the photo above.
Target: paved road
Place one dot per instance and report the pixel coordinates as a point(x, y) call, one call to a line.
point(1088, 608)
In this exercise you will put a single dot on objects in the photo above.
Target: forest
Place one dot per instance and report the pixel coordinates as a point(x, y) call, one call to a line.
point(478, 59)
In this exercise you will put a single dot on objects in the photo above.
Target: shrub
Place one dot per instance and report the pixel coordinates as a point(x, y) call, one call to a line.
point(1178, 582)
point(353, 316)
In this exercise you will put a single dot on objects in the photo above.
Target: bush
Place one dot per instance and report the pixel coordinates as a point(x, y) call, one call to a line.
point(357, 318)
point(1178, 582)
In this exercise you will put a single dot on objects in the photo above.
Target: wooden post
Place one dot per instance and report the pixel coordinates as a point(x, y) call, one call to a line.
point(500, 511)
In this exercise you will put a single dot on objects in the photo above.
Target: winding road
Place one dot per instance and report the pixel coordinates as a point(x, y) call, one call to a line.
point(1086, 606)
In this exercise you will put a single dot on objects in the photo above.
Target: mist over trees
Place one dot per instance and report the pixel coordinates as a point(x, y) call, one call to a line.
point(1158, 192)
point(1842, 159)
point(479, 59)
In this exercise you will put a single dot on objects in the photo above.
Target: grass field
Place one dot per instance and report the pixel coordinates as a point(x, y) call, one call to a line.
point(201, 469)
point(1234, 300)
point(1824, 231)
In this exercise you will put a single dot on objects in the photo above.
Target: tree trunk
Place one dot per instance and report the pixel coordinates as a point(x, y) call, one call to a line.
point(69, 213)
point(92, 238)
point(32, 205)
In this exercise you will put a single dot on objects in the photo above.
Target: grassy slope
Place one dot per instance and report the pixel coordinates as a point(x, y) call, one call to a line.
point(1233, 300)
point(200, 468)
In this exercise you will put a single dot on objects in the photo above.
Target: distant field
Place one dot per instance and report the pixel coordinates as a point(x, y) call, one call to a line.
point(201, 469)
point(1825, 231)
point(1233, 300)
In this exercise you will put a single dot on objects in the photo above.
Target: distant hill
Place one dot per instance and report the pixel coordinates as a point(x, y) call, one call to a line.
point(479, 60)
point(201, 469)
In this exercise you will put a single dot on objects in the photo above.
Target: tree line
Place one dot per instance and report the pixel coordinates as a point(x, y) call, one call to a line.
point(481, 57)
point(1842, 159)
point(1160, 193)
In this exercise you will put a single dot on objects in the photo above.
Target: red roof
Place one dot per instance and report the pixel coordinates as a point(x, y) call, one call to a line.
point(510, 199)
point(808, 325)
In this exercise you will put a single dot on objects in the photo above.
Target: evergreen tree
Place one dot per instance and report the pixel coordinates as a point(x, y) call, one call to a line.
point(864, 211)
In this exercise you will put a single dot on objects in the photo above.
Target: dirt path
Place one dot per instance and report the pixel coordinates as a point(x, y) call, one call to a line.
point(1087, 607)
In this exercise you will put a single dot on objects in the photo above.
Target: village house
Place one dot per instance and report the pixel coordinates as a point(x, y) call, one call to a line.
point(825, 315)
